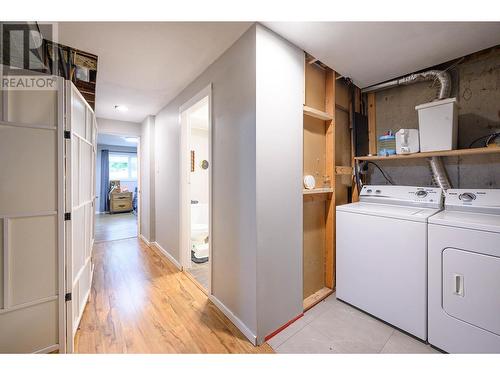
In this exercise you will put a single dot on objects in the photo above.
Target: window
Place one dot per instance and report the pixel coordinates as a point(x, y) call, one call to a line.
point(122, 166)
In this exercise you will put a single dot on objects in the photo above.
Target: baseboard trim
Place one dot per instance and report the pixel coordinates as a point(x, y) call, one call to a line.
point(167, 255)
point(235, 320)
point(144, 239)
point(272, 334)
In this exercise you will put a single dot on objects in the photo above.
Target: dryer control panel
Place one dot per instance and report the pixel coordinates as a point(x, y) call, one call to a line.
point(473, 200)
point(429, 197)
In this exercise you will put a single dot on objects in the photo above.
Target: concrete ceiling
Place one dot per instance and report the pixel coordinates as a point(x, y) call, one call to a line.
point(144, 65)
point(373, 52)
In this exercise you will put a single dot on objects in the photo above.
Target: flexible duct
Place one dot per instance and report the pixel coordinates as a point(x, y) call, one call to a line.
point(438, 172)
point(430, 75)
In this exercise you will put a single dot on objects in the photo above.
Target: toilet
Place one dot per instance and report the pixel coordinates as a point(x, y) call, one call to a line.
point(199, 232)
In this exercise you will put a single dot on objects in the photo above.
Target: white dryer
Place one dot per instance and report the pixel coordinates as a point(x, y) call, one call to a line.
point(382, 253)
point(464, 273)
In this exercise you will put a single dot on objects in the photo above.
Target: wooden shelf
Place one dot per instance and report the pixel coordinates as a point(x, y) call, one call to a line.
point(309, 111)
point(317, 191)
point(463, 152)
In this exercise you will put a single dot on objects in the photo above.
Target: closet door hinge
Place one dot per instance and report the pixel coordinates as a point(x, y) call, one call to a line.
point(67, 216)
point(67, 134)
point(68, 297)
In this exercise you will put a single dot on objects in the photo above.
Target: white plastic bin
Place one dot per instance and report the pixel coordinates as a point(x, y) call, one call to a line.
point(438, 125)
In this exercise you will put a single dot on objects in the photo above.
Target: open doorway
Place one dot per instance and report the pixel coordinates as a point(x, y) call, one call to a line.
point(196, 188)
point(117, 187)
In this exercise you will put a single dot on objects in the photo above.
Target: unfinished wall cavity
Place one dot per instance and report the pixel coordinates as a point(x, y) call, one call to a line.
point(476, 85)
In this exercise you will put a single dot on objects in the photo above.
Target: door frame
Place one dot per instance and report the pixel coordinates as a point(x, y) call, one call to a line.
point(184, 193)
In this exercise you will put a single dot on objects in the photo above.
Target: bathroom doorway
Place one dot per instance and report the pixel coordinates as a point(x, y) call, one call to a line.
point(196, 188)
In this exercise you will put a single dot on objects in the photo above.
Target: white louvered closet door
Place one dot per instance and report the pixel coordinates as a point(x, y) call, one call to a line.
point(80, 151)
point(31, 220)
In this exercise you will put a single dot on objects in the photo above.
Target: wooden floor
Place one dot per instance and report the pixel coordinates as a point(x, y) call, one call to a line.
point(141, 303)
point(110, 227)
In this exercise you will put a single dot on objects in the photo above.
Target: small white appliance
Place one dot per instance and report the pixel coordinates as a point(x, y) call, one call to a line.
point(438, 125)
point(382, 253)
point(407, 141)
point(464, 272)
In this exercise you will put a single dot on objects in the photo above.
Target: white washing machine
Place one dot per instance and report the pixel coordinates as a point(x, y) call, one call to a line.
point(464, 273)
point(382, 253)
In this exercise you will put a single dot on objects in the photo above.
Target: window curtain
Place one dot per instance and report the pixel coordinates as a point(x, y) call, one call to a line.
point(104, 201)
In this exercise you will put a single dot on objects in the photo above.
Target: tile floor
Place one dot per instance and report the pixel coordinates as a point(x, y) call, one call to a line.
point(200, 272)
point(335, 327)
point(115, 227)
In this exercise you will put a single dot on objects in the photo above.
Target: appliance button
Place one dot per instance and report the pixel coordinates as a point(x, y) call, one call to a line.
point(467, 197)
point(377, 191)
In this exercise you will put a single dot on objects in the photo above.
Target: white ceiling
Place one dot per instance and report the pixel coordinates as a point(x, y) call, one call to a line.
point(114, 140)
point(144, 65)
point(373, 52)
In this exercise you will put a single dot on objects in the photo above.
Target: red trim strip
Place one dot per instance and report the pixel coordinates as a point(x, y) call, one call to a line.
point(271, 335)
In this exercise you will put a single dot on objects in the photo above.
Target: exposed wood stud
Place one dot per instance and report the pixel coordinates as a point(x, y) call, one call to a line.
point(372, 128)
point(330, 172)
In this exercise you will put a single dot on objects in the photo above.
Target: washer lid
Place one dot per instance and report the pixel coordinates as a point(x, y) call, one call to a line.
point(467, 220)
point(411, 213)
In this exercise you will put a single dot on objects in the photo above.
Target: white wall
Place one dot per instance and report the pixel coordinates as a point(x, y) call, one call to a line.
point(279, 133)
point(199, 178)
point(146, 209)
point(108, 126)
point(131, 185)
point(233, 168)
point(257, 179)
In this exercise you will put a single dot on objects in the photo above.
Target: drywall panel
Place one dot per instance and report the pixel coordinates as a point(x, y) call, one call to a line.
point(280, 95)
point(234, 173)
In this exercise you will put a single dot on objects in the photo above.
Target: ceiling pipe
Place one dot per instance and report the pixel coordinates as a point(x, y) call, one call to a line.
point(439, 174)
point(442, 76)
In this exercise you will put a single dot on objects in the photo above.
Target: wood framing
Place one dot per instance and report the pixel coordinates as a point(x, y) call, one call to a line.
point(372, 128)
point(319, 203)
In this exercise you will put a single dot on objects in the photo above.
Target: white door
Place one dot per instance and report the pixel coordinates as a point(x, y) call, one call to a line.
point(31, 220)
point(80, 149)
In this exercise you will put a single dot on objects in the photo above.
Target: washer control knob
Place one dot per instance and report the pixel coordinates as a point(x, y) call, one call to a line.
point(378, 191)
point(369, 191)
point(467, 197)
point(421, 194)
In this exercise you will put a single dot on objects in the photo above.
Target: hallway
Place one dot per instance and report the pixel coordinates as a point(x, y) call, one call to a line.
point(140, 303)
point(115, 227)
